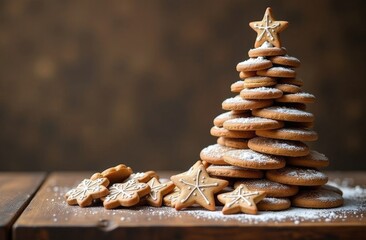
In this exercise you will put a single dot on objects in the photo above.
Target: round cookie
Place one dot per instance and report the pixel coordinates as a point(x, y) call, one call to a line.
point(220, 119)
point(274, 204)
point(299, 106)
point(272, 189)
point(286, 61)
point(297, 176)
point(222, 132)
point(237, 86)
point(313, 160)
point(278, 147)
point(294, 134)
point(278, 72)
point(228, 171)
point(244, 75)
point(261, 93)
point(266, 50)
point(317, 198)
point(251, 123)
point(332, 189)
point(259, 81)
point(300, 97)
point(214, 153)
point(240, 143)
point(247, 158)
point(293, 81)
point(288, 88)
point(253, 64)
point(238, 103)
point(284, 114)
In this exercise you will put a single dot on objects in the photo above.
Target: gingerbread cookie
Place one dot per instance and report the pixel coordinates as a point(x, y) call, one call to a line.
point(297, 176)
point(171, 198)
point(278, 72)
point(313, 160)
point(158, 191)
point(247, 158)
point(251, 123)
point(272, 189)
point(259, 81)
point(219, 120)
point(238, 103)
point(244, 75)
point(241, 200)
point(287, 88)
point(294, 134)
point(298, 106)
point(260, 93)
point(300, 97)
point(253, 64)
point(274, 204)
point(278, 147)
point(228, 171)
point(286, 61)
point(86, 191)
point(142, 177)
point(213, 153)
point(292, 81)
point(284, 114)
point(197, 187)
point(237, 86)
point(114, 174)
point(317, 198)
point(241, 143)
point(332, 189)
point(222, 132)
point(266, 50)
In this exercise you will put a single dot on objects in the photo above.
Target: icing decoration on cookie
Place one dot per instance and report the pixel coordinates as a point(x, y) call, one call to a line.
point(157, 191)
point(241, 200)
point(268, 29)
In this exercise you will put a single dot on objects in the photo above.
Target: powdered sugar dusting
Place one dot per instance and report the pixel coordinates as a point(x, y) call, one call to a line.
point(272, 200)
point(304, 94)
point(249, 120)
point(215, 151)
point(301, 173)
point(236, 100)
point(261, 90)
point(281, 144)
point(287, 110)
point(261, 184)
point(252, 156)
point(282, 69)
point(251, 61)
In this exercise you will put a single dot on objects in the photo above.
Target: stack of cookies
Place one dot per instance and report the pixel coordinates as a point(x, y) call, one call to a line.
point(263, 135)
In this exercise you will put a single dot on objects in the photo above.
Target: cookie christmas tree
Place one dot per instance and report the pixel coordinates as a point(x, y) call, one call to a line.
point(263, 133)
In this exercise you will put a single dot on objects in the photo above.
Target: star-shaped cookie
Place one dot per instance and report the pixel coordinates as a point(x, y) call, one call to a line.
point(241, 200)
point(197, 187)
point(268, 29)
point(157, 192)
point(86, 191)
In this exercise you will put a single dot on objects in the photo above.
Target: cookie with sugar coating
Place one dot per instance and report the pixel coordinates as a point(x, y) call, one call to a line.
point(244, 75)
point(288, 88)
point(214, 153)
point(259, 81)
point(317, 198)
point(222, 132)
point(253, 64)
point(261, 93)
point(274, 204)
point(272, 189)
point(278, 147)
point(284, 114)
point(240, 143)
point(297, 176)
point(237, 86)
point(313, 160)
point(293, 81)
point(220, 119)
point(266, 51)
point(294, 134)
point(286, 61)
point(278, 72)
point(300, 97)
point(228, 171)
point(251, 124)
point(238, 103)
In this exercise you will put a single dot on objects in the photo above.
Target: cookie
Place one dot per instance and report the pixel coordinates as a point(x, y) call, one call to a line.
point(287, 88)
point(157, 191)
point(292, 81)
point(298, 106)
point(266, 51)
point(313, 160)
point(251, 124)
point(86, 191)
point(241, 143)
point(142, 177)
point(260, 93)
point(294, 134)
point(238, 103)
point(259, 81)
point(272, 189)
point(284, 114)
point(114, 174)
point(244, 75)
point(241, 200)
point(317, 198)
point(332, 189)
point(274, 204)
point(278, 147)
point(196, 186)
point(278, 72)
point(171, 198)
point(286, 61)
point(220, 119)
point(253, 64)
point(237, 86)
point(300, 97)
point(247, 158)
point(214, 153)
point(228, 171)
point(297, 176)
point(125, 194)
point(222, 132)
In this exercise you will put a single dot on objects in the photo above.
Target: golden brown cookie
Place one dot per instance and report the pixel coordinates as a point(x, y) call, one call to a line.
point(260, 93)
point(86, 191)
point(238, 103)
point(299, 106)
point(294, 134)
point(278, 72)
point(253, 64)
point(272, 189)
point(293, 81)
point(287, 88)
point(196, 186)
point(259, 81)
point(220, 119)
point(278, 147)
point(266, 50)
point(284, 114)
point(142, 177)
point(171, 198)
point(286, 61)
point(241, 143)
point(332, 188)
point(214, 153)
point(222, 132)
point(228, 171)
point(317, 198)
point(313, 160)
point(247, 158)
point(114, 174)
point(244, 75)
point(241, 200)
point(237, 86)
point(158, 191)
point(251, 124)
point(274, 204)
point(297, 176)
point(300, 97)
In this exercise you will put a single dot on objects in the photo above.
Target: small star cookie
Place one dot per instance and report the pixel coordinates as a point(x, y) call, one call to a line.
point(125, 194)
point(197, 187)
point(241, 200)
point(158, 190)
point(268, 29)
point(86, 191)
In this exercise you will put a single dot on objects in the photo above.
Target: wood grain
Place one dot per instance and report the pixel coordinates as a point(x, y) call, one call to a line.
point(16, 190)
point(49, 217)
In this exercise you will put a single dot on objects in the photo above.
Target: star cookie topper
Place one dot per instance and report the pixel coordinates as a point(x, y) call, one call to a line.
point(268, 29)
point(241, 200)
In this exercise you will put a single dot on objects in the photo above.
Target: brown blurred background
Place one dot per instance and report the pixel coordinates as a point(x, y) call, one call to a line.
point(85, 85)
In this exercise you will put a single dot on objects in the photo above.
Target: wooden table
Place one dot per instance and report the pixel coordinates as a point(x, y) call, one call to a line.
point(48, 217)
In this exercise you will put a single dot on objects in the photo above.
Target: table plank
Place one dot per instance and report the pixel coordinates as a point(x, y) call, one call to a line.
point(16, 190)
point(49, 217)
